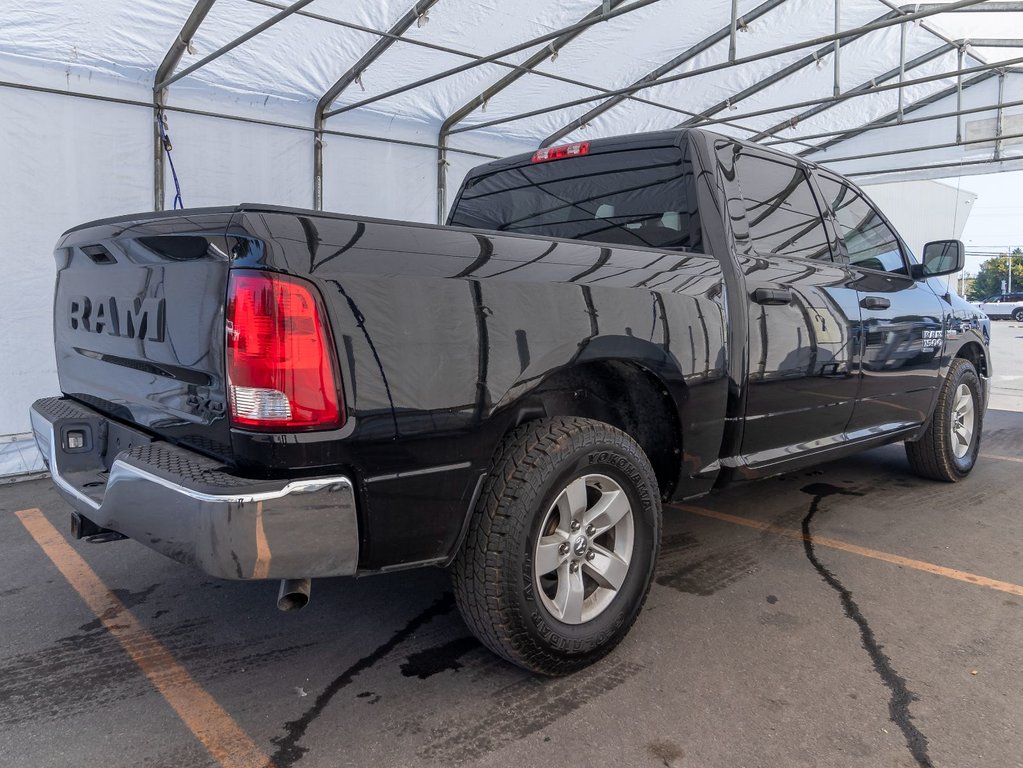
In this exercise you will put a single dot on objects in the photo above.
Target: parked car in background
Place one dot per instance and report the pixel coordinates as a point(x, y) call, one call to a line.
point(1003, 306)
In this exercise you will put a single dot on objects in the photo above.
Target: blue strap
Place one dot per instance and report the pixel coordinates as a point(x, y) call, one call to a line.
point(165, 140)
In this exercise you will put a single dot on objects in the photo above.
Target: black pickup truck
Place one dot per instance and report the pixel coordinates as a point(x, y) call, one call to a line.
point(600, 327)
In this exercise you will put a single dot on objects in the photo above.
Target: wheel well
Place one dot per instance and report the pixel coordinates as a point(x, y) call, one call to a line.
point(624, 395)
point(975, 354)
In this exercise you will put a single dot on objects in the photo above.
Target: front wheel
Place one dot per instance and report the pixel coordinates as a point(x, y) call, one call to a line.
point(560, 550)
point(1017, 315)
point(948, 449)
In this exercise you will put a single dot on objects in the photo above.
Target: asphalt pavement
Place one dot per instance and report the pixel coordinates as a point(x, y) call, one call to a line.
point(891, 635)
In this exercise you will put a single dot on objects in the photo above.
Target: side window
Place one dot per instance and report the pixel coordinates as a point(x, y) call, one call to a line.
point(869, 241)
point(781, 211)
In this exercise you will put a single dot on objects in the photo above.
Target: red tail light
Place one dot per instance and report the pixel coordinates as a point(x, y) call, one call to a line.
point(281, 369)
point(560, 151)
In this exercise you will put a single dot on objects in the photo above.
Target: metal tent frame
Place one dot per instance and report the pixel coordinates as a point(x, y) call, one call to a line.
point(545, 47)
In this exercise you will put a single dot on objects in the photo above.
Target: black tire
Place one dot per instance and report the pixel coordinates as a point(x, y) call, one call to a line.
point(1017, 315)
point(933, 456)
point(493, 575)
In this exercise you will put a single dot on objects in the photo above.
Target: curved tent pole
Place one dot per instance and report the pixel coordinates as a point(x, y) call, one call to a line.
point(1006, 163)
point(781, 74)
point(491, 58)
point(170, 61)
point(987, 69)
point(894, 116)
point(353, 74)
point(428, 45)
point(529, 66)
point(920, 104)
point(165, 73)
point(924, 148)
point(835, 46)
point(923, 13)
point(549, 51)
point(690, 53)
point(899, 71)
point(814, 57)
point(228, 47)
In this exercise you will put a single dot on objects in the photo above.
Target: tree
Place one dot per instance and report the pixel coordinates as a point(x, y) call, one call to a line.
point(992, 272)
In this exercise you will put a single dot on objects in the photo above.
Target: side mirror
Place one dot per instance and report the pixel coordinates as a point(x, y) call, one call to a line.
point(941, 257)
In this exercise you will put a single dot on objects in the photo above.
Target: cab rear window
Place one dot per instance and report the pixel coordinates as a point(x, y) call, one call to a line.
point(637, 197)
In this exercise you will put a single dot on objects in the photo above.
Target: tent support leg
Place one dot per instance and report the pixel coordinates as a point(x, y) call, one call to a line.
point(902, 69)
point(998, 121)
point(838, 48)
point(166, 68)
point(731, 30)
point(442, 178)
point(959, 95)
point(354, 75)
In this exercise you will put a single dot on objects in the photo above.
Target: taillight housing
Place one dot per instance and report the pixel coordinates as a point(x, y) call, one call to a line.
point(281, 365)
point(561, 151)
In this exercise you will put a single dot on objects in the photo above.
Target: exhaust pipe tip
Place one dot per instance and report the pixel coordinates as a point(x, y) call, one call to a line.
point(294, 594)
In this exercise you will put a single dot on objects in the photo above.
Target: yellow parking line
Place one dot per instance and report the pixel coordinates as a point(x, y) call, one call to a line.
point(919, 565)
point(219, 733)
point(262, 567)
point(996, 457)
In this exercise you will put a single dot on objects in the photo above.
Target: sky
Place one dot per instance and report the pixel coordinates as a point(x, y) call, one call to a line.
point(996, 220)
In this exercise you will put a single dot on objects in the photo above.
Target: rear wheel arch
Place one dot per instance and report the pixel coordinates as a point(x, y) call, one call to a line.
point(624, 394)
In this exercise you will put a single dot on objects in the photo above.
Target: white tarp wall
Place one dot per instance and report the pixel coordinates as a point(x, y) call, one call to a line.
point(924, 210)
point(65, 159)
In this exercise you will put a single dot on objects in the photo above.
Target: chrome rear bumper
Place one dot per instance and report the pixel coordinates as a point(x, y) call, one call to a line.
point(188, 507)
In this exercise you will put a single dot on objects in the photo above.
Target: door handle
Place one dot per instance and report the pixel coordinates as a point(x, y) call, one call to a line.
point(875, 302)
point(772, 297)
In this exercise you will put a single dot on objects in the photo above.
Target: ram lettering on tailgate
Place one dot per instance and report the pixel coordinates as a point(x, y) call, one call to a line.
point(132, 318)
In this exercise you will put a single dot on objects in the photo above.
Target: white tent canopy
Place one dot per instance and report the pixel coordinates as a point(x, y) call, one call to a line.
point(385, 104)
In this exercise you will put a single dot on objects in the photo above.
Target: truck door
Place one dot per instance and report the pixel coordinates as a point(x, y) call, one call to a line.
point(903, 333)
point(803, 314)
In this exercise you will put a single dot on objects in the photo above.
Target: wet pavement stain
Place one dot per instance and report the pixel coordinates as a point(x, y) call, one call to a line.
point(900, 696)
point(289, 751)
point(127, 600)
point(710, 573)
point(522, 709)
point(432, 661)
point(667, 752)
point(89, 671)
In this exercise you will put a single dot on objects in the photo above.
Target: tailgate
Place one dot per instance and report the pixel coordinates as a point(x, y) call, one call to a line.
point(139, 323)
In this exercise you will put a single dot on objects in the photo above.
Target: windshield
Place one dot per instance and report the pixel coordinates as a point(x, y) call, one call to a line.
point(638, 197)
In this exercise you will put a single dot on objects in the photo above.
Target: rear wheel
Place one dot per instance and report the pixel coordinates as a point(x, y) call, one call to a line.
point(561, 548)
point(948, 449)
point(1017, 315)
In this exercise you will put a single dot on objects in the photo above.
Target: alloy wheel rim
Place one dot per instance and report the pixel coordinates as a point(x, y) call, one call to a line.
point(584, 549)
point(964, 421)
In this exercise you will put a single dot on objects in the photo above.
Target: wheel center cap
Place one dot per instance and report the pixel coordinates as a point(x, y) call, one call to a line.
point(579, 546)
